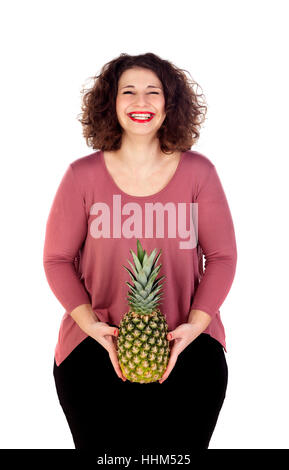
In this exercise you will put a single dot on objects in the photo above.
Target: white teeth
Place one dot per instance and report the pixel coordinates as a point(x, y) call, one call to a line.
point(141, 116)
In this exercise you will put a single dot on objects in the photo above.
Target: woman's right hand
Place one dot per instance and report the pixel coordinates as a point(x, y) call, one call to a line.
point(106, 335)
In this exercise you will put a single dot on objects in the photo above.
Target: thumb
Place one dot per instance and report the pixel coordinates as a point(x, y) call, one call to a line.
point(174, 334)
point(114, 331)
point(170, 335)
point(108, 337)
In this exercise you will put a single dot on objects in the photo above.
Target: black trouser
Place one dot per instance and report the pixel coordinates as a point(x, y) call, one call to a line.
point(103, 412)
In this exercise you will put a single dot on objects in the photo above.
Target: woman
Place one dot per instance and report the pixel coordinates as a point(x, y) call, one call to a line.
point(143, 114)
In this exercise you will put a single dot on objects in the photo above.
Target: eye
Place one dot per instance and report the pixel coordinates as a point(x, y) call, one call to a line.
point(152, 92)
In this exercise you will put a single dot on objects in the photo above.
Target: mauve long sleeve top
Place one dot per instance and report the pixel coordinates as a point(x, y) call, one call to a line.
point(93, 224)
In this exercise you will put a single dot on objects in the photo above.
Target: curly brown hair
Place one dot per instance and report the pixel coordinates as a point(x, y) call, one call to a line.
point(185, 109)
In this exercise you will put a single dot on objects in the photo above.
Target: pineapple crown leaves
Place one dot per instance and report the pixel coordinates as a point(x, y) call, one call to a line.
point(143, 275)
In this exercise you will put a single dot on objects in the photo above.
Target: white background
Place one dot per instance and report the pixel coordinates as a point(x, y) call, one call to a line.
point(236, 51)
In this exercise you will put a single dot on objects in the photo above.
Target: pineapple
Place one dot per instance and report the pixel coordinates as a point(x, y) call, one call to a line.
point(142, 345)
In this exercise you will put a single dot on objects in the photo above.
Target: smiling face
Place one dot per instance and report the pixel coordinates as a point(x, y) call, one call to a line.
point(140, 92)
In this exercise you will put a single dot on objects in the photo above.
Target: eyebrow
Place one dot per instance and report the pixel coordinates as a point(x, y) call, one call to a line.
point(132, 86)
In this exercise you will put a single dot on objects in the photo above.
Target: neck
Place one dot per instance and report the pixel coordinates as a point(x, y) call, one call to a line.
point(138, 155)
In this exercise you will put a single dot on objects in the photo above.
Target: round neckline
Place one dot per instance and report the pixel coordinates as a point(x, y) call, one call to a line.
point(151, 196)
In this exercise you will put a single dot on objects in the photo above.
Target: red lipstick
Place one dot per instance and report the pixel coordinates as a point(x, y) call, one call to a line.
point(137, 115)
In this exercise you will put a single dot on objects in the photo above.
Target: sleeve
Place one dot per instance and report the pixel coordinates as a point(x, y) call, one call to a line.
point(216, 237)
point(66, 229)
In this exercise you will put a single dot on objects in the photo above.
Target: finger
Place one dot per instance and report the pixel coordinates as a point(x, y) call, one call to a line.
point(113, 331)
point(171, 364)
point(111, 339)
point(109, 330)
point(109, 346)
point(176, 333)
point(111, 335)
point(115, 336)
point(114, 360)
point(170, 336)
point(178, 346)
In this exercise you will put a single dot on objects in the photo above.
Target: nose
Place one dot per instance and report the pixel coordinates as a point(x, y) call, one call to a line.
point(141, 100)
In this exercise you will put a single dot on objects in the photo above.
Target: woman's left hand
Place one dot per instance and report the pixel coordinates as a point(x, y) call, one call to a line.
point(182, 336)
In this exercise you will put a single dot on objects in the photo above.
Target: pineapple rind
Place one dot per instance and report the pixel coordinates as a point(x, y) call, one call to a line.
point(143, 350)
